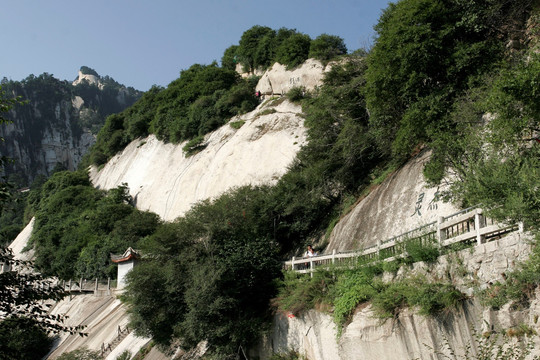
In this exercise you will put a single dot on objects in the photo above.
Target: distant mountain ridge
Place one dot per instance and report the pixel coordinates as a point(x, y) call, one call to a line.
point(58, 121)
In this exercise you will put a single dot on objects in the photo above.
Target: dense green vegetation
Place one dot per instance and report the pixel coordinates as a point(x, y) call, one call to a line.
point(440, 76)
point(427, 54)
point(12, 216)
point(260, 47)
point(203, 98)
point(23, 338)
point(210, 274)
point(78, 227)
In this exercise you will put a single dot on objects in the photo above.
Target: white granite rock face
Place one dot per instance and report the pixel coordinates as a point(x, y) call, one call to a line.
point(56, 144)
point(91, 79)
point(401, 203)
point(101, 315)
point(279, 80)
point(163, 180)
point(20, 242)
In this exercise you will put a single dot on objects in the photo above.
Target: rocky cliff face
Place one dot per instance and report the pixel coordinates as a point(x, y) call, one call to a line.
point(163, 180)
point(58, 122)
point(255, 148)
point(402, 202)
point(412, 336)
point(277, 80)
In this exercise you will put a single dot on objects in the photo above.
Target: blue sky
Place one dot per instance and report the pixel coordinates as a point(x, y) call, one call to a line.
point(141, 43)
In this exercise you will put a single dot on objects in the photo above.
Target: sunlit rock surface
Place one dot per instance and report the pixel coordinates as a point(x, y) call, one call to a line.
point(401, 203)
point(163, 180)
point(279, 80)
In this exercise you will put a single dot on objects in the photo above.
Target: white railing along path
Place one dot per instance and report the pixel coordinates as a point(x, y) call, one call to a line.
point(466, 226)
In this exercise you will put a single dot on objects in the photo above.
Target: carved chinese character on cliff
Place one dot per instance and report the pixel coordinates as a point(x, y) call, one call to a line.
point(418, 206)
point(433, 203)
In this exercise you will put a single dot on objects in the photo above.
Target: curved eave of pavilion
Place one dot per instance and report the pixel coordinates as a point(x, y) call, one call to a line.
point(126, 258)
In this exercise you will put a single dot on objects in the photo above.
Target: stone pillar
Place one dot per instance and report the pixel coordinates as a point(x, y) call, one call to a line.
point(478, 225)
point(440, 237)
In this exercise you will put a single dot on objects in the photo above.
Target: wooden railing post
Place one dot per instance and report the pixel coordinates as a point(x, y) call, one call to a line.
point(96, 288)
point(333, 256)
point(292, 263)
point(108, 286)
point(311, 267)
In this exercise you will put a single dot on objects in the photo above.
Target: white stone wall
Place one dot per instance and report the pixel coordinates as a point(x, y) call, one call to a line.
point(123, 268)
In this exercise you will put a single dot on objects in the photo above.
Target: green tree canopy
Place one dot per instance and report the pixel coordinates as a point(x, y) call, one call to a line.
point(88, 71)
point(426, 51)
point(250, 49)
point(294, 50)
point(229, 60)
point(78, 226)
point(326, 47)
point(211, 272)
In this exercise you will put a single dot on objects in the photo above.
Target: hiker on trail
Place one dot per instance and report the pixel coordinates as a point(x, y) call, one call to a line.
point(309, 252)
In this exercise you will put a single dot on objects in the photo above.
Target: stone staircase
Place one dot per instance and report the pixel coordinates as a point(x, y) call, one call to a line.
point(106, 348)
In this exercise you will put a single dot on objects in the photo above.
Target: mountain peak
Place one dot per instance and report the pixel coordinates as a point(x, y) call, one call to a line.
point(89, 75)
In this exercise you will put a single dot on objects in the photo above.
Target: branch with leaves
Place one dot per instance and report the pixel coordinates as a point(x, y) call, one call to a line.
point(24, 294)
